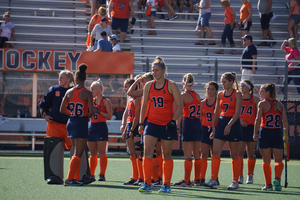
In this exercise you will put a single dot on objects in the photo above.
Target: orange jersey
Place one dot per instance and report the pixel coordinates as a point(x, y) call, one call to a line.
point(272, 118)
point(208, 113)
point(78, 107)
point(228, 16)
point(244, 13)
point(97, 117)
point(161, 110)
point(121, 9)
point(248, 111)
point(227, 104)
point(192, 109)
point(146, 113)
point(131, 110)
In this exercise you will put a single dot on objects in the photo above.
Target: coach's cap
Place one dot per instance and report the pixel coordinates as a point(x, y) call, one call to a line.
point(247, 37)
point(104, 19)
point(113, 36)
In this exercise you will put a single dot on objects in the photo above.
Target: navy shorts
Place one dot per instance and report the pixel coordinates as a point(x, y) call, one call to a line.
point(296, 18)
point(265, 21)
point(98, 132)
point(77, 127)
point(247, 27)
point(203, 20)
point(235, 131)
point(135, 132)
point(247, 133)
point(160, 132)
point(270, 138)
point(102, 2)
point(205, 135)
point(191, 130)
point(119, 23)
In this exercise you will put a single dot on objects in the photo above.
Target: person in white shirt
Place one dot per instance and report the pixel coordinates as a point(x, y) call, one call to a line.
point(6, 30)
point(115, 46)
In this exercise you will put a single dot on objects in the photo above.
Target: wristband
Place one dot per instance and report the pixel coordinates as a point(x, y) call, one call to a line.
point(140, 124)
point(131, 130)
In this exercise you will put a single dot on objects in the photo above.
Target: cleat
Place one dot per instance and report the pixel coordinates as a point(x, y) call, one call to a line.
point(156, 184)
point(211, 183)
point(277, 185)
point(87, 179)
point(54, 180)
point(202, 181)
point(241, 180)
point(183, 184)
point(249, 179)
point(73, 183)
point(267, 188)
point(139, 182)
point(233, 186)
point(130, 182)
point(145, 188)
point(218, 183)
point(196, 182)
point(101, 177)
point(165, 189)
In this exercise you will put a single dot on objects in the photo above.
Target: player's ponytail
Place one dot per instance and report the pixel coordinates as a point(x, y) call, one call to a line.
point(98, 83)
point(231, 76)
point(271, 88)
point(188, 80)
point(159, 61)
point(80, 73)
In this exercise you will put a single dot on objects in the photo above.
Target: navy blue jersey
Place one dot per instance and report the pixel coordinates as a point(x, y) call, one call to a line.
point(51, 103)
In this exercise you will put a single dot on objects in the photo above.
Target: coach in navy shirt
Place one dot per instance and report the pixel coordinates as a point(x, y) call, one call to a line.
point(103, 44)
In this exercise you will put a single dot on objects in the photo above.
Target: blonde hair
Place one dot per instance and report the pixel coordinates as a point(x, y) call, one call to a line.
point(250, 84)
point(148, 76)
point(98, 83)
point(226, 3)
point(293, 43)
point(160, 62)
point(70, 75)
point(231, 76)
point(213, 83)
point(102, 10)
point(6, 14)
point(188, 80)
point(130, 81)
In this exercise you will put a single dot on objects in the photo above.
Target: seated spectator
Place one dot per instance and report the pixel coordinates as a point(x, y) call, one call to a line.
point(171, 13)
point(114, 42)
point(103, 44)
point(6, 30)
point(294, 18)
point(99, 28)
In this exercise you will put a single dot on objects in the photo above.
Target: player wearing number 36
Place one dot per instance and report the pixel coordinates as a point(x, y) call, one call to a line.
point(160, 96)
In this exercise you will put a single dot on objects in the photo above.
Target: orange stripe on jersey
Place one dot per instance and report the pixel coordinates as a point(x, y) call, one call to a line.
point(248, 111)
point(227, 104)
point(146, 113)
point(271, 119)
point(131, 110)
point(208, 113)
point(192, 109)
point(97, 117)
point(78, 107)
point(160, 111)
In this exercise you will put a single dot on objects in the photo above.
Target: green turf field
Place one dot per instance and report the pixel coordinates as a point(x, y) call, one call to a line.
point(22, 177)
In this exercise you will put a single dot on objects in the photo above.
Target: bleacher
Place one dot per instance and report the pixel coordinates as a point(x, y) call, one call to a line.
point(62, 25)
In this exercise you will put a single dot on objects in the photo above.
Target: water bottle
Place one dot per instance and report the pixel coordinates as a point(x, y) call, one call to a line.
point(146, 7)
point(26, 113)
point(18, 113)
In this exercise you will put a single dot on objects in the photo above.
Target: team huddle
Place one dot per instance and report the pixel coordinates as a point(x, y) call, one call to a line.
point(156, 114)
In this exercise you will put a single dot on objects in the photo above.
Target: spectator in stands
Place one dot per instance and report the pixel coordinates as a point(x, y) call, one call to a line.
point(6, 30)
point(98, 29)
point(171, 13)
point(229, 22)
point(96, 19)
point(245, 17)
point(103, 44)
point(265, 13)
point(119, 11)
point(152, 5)
point(294, 18)
point(292, 53)
point(250, 52)
point(203, 21)
point(95, 5)
point(115, 46)
point(181, 3)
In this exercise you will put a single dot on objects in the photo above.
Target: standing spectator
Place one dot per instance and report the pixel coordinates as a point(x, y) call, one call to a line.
point(250, 52)
point(171, 13)
point(6, 30)
point(103, 44)
point(292, 53)
point(229, 22)
point(115, 46)
point(245, 17)
point(264, 8)
point(95, 5)
point(203, 21)
point(294, 18)
point(120, 12)
point(153, 5)
point(98, 29)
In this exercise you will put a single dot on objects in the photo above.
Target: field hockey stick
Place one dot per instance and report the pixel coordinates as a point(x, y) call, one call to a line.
point(285, 156)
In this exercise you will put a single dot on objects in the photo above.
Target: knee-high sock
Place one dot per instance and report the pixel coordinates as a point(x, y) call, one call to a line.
point(134, 168)
point(236, 166)
point(267, 173)
point(251, 165)
point(278, 169)
point(241, 166)
point(103, 164)
point(148, 168)
point(167, 171)
point(203, 167)
point(197, 168)
point(93, 164)
point(140, 168)
point(160, 160)
point(215, 166)
point(155, 169)
point(188, 165)
point(73, 167)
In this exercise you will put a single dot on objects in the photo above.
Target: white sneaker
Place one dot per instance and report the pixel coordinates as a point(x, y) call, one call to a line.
point(233, 186)
point(249, 179)
point(211, 183)
point(241, 180)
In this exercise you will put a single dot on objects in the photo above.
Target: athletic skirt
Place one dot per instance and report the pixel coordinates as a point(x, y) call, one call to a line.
point(160, 131)
point(98, 132)
point(270, 138)
point(206, 131)
point(247, 133)
point(77, 127)
point(235, 131)
point(135, 131)
point(191, 130)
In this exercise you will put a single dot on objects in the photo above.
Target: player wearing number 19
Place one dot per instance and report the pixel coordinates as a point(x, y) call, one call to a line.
point(80, 108)
point(271, 117)
point(160, 95)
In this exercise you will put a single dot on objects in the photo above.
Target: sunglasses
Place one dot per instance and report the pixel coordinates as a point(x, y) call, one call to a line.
point(5, 18)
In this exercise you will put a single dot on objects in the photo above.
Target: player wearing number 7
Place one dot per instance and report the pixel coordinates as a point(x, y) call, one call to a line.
point(271, 116)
